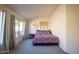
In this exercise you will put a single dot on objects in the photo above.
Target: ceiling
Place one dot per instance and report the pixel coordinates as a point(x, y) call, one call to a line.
point(32, 10)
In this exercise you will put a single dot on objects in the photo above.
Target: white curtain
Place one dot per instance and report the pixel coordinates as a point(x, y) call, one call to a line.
point(3, 39)
point(2, 24)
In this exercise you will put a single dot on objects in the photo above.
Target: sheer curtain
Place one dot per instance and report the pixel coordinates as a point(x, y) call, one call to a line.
point(1, 25)
point(3, 39)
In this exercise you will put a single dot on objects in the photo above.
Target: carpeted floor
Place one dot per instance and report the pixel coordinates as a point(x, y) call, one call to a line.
point(26, 47)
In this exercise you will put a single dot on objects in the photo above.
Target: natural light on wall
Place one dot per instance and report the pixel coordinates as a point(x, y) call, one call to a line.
point(42, 25)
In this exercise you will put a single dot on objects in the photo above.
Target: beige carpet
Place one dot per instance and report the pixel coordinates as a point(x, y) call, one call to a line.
point(26, 47)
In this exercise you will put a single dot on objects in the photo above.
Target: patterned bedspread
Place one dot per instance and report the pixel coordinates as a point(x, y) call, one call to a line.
point(45, 38)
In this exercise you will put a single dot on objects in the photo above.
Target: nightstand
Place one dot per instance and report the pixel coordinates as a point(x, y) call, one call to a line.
point(31, 36)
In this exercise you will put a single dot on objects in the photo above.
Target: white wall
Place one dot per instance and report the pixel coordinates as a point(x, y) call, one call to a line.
point(32, 29)
point(57, 24)
point(64, 23)
point(72, 41)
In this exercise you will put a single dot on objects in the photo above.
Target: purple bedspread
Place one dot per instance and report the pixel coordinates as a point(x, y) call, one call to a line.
point(45, 38)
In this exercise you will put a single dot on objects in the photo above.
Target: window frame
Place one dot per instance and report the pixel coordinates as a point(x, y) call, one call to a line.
point(18, 32)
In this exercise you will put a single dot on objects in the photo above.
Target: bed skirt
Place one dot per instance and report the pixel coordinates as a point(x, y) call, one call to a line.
point(45, 44)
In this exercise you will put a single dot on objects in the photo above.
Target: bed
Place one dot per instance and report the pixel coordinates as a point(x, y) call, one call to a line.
point(45, 37)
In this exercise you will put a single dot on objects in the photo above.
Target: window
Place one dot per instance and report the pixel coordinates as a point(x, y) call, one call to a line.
point(2, 23)
point(19, 27)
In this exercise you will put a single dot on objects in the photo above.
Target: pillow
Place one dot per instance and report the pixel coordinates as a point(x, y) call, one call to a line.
point(40, 32)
